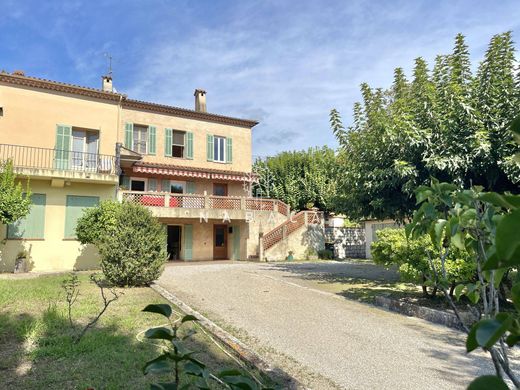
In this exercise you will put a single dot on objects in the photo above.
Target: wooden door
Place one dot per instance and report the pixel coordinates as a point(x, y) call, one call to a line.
point(220, 238)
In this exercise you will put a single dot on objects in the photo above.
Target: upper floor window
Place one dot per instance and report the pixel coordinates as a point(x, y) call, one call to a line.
point(219, 149)
point(178, 143)
point(140, 139)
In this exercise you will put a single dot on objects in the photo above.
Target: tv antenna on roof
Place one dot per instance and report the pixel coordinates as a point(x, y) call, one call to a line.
point(109, 58)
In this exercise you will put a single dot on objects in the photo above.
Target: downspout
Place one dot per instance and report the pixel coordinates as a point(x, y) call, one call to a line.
point(118, 145)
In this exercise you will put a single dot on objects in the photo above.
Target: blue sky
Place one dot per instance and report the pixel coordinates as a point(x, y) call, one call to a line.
point(285, 63)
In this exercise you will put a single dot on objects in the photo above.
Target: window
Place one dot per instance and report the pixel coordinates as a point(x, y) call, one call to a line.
point(84, 149)
point(76, 205)
point(220, 189)
point(137, 184)
point(219, 147)
point(140, 139)
point(178, 143)
point(32, 226)
point(177, 187)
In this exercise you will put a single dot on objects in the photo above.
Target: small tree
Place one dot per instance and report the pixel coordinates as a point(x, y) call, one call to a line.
point(15, 203)
point(130, 240)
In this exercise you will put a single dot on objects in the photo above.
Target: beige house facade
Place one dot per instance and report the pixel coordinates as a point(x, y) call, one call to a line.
point(78, 146)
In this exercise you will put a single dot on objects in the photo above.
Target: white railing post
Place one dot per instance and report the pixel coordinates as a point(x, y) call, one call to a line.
point(120, 196)
point(275, 206)
point(242, 203)
point(207, 201)
point(167, 199)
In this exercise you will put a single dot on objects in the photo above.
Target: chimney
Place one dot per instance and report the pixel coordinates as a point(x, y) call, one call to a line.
point(200, 100)
point(106, 85)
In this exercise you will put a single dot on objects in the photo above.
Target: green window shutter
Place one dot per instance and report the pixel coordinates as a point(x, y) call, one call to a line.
point(125, 182)
point(62, 148)
point(189, 145)
point(209, 148)
point(229, 150)
point(188, 242)
point(152, 143)
point(168, 142)
point(76, 205)
point(129, 136)
point(190, 187)
point(236, 242)
point(165, 186)
point(152, 184)
point(33, 225)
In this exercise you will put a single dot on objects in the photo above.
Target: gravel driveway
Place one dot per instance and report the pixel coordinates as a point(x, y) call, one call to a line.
point(323, 339)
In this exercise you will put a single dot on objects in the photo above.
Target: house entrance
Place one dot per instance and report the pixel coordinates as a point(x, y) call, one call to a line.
point(220, 242)
point(174, 242)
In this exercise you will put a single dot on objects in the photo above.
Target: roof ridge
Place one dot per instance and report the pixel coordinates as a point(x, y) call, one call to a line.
point(99, 93)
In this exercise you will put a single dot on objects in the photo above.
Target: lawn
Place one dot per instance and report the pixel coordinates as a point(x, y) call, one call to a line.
point(36, 349)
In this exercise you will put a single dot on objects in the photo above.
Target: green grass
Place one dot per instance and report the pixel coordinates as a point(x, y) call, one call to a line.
point(37, 351)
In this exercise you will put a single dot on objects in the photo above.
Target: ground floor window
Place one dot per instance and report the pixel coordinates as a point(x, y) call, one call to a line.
point(33, 225)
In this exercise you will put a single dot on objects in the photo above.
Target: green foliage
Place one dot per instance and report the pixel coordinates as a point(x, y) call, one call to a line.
point(325, 254)
point(176, 358)
point(448, 124)
point(410, 256)
point(133, 252)
point(15, 202)
point(299, 178)
point(486, 226)
point(98, 222)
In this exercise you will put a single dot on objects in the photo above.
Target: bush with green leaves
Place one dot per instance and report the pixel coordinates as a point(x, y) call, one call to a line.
point(392, 248)
point(130, 240)
point(486, 225)
point(15, 201)
point(98, 222)
point(176, 358)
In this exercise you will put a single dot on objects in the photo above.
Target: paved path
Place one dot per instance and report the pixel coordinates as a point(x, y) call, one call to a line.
point(354, 345)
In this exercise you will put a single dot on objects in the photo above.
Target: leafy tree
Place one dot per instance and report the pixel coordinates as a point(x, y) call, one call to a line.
point(393, 248)
point(299, 178)
point(130, 240)
point(15, 201)
point(449, 124)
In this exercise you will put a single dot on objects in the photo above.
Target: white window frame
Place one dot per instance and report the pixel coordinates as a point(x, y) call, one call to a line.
point(216, 149)
point(140, 141)
point(139, 179)
point(181, 183)
point(183, 144)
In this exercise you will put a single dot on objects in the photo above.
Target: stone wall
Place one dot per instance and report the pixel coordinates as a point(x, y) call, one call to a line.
point(347, 242)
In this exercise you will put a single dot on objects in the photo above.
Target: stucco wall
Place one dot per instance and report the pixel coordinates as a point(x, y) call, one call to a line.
point(242, 159)
point(307, 236)
point(54, 253)
point(30, 117)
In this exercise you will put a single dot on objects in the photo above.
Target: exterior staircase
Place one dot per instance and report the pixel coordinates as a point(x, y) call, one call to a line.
point(287, 228)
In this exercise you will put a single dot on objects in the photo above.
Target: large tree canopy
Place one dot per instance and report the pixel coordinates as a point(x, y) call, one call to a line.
point(447, 123)
point(299, 178)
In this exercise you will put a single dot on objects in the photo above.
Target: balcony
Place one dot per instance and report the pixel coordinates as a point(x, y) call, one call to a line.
point(167, 205)
point(62, 165)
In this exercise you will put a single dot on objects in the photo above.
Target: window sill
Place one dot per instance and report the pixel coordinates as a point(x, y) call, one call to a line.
point(70, 239)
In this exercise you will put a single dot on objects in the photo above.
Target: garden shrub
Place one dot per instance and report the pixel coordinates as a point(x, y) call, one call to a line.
point(325, 254)
point(130, 240)
point(98, 222)
point(411, 259)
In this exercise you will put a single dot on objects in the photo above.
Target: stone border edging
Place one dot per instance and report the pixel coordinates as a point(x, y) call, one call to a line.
point(244, 352)
point(425, 313)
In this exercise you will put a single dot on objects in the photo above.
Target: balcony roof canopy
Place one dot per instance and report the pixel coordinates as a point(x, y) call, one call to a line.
point(183, 171)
